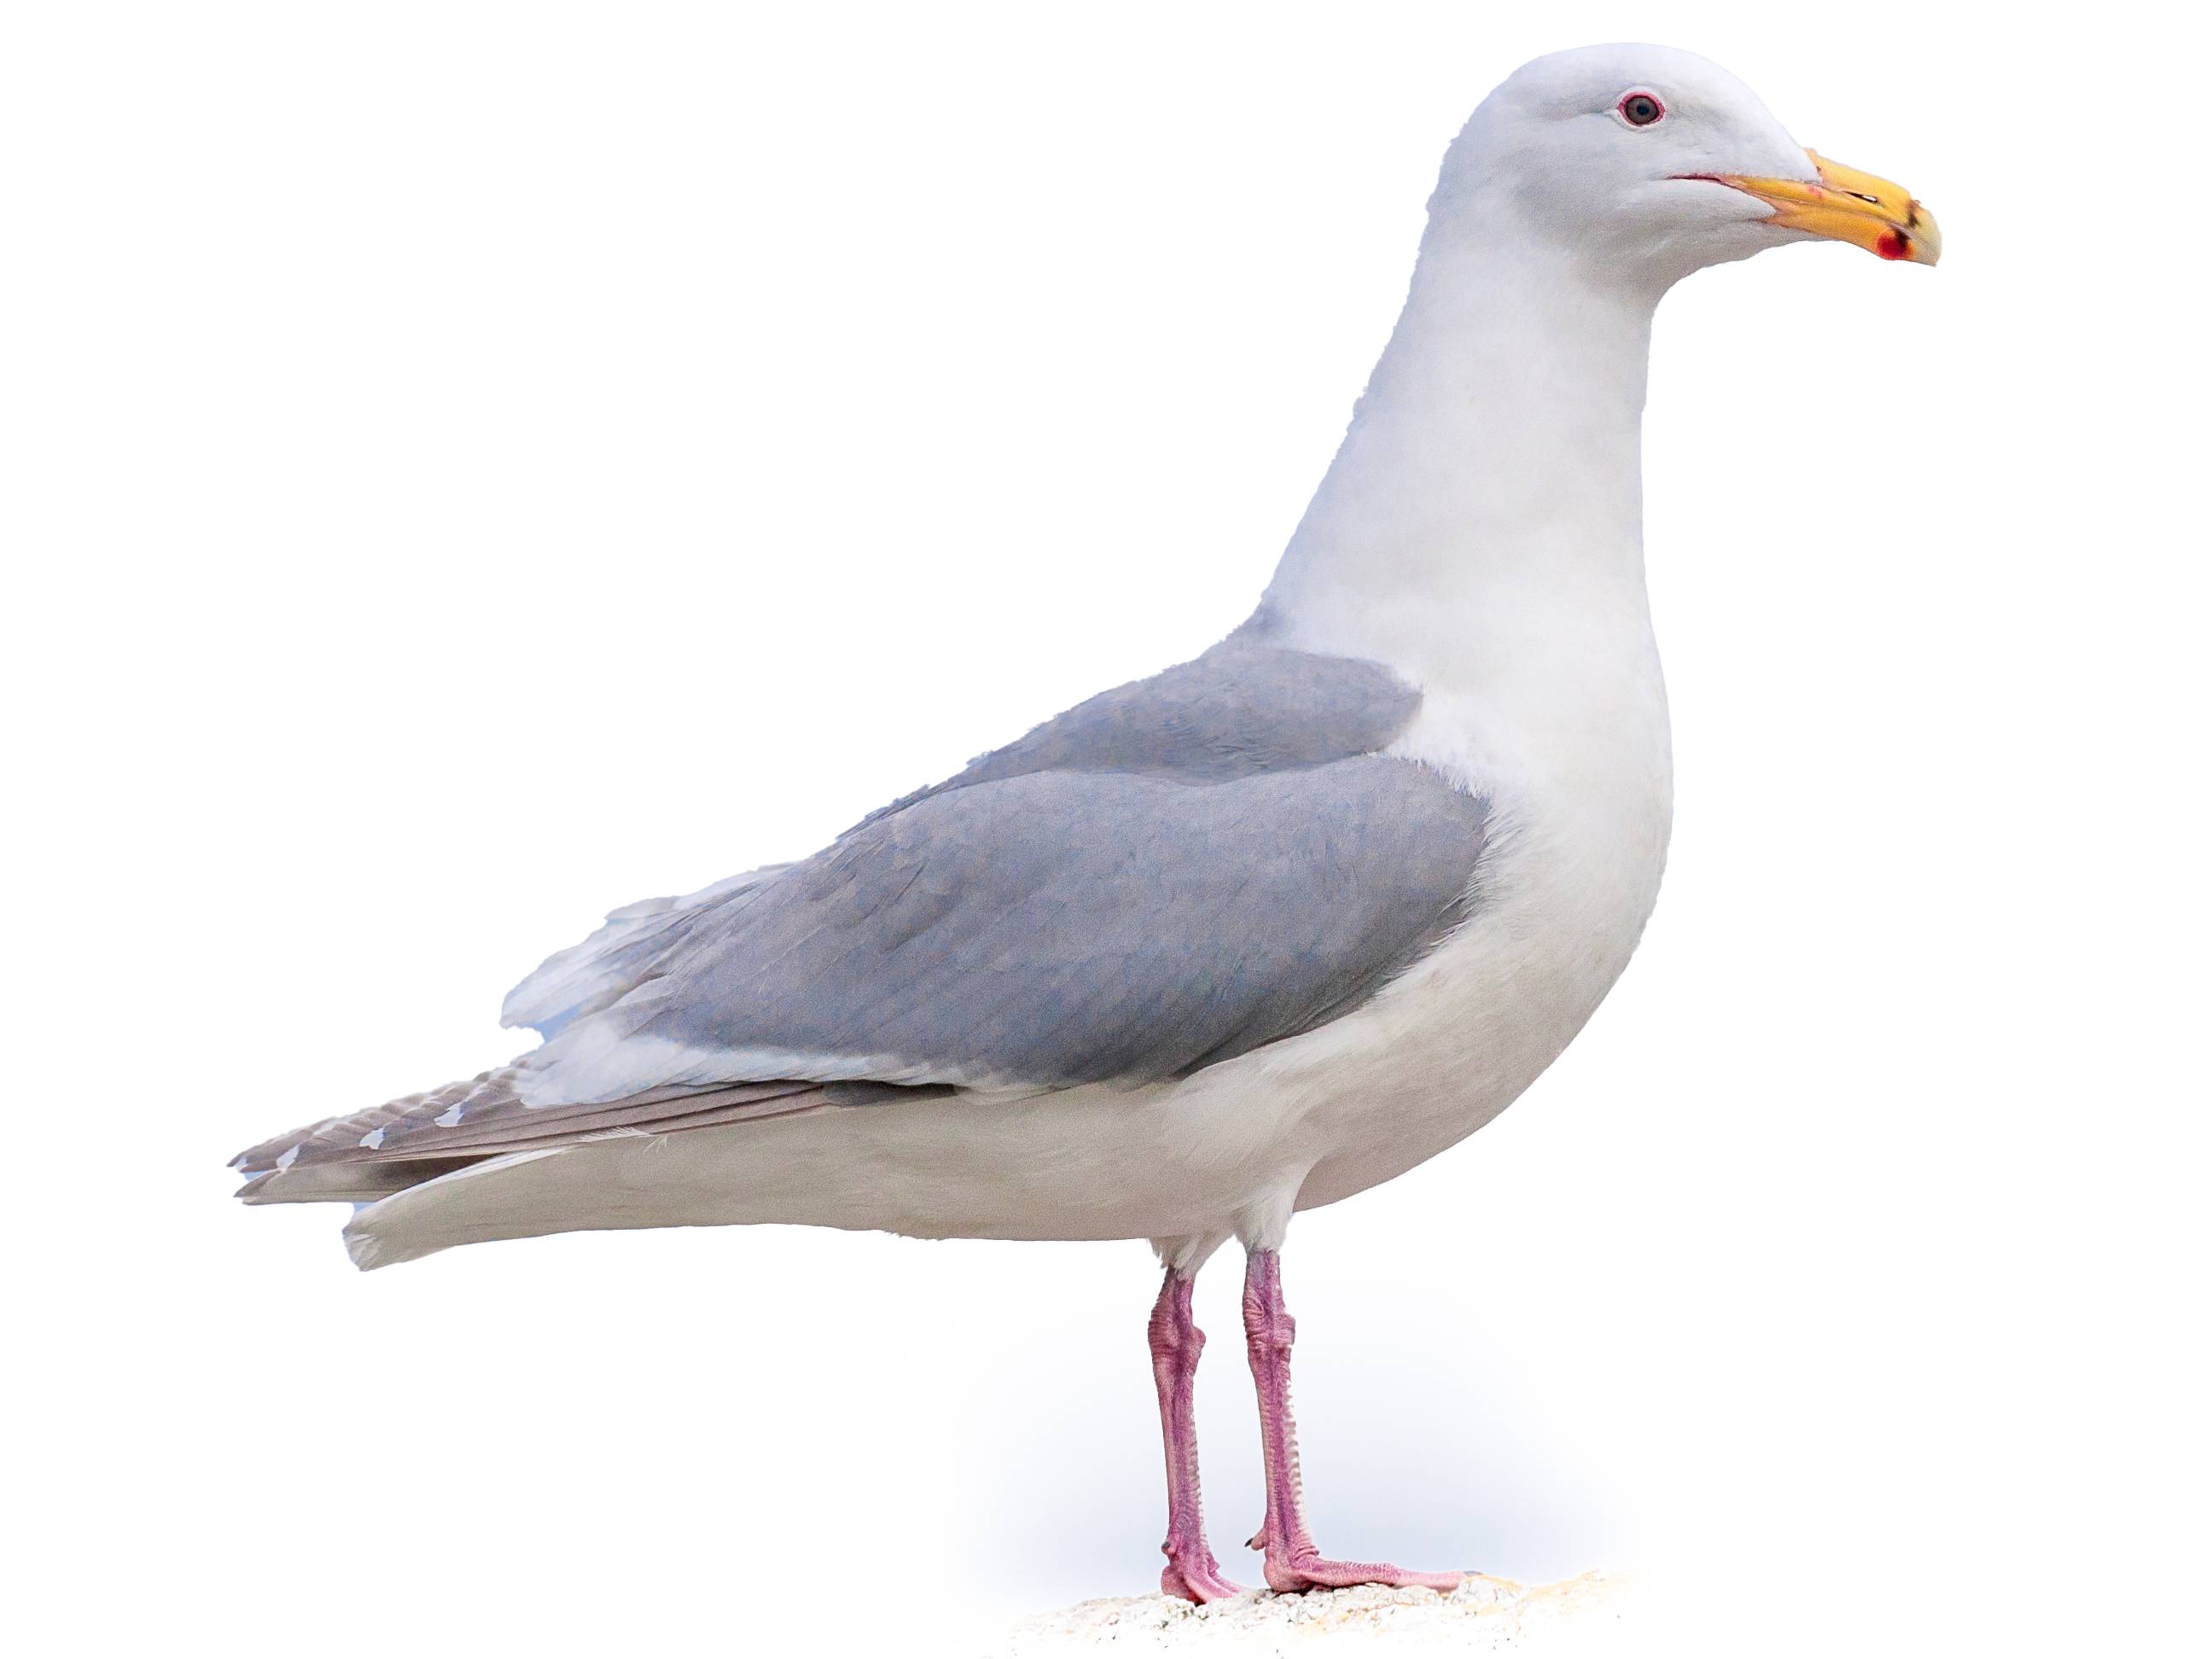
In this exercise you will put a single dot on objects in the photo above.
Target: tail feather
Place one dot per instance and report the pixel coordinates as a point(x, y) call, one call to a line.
point(370, 1155)
point(422, 1219)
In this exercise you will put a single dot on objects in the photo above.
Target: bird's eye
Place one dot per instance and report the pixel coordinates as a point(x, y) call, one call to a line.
point(1641, 109)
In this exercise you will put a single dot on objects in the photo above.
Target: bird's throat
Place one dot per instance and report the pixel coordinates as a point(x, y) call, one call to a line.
point(1491, 479)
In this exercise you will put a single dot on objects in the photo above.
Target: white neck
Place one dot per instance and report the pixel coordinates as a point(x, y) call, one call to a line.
point(1490, 483)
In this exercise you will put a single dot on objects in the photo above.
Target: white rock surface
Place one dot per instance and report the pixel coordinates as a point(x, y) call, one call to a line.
point(1587, 1614)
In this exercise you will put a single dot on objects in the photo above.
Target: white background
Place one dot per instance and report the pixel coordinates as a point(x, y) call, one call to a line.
point(469, 465)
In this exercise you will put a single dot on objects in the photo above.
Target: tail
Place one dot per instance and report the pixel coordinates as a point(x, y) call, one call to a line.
point(433, 1215)
point(480, 1128)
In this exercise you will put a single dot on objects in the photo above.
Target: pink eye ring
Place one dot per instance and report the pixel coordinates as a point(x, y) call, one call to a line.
point(1639, 109)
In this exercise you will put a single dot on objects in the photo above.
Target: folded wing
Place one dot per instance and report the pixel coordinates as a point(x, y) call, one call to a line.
point(1173, 873)
point(1045, 930)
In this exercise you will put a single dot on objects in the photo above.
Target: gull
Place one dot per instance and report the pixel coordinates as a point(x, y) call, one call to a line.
point(1248, 937)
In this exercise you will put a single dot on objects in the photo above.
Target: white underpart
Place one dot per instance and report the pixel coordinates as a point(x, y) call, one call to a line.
point(1480, 533)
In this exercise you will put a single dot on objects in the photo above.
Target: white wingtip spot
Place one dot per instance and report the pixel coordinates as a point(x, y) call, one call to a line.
point(285, 1162)
point(448, 1118)
point(373, 1139)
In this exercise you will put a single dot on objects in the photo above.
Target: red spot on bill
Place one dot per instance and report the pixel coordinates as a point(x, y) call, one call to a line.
point(1892, 245)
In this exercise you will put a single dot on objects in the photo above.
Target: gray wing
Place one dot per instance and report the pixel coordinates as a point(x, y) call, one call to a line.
point(1171, 874)
point(1175, 872)
point(1056, 928)
point(1242, 708)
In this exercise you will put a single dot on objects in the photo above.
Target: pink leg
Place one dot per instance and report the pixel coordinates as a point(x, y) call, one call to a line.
point(1191, 1572)
point(1293, 1563)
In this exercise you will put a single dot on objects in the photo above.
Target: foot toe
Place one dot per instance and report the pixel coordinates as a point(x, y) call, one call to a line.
point(1302, 1572)
point(1197, 1581)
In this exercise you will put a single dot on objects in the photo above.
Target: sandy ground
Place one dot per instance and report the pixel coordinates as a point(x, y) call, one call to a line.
point(1589, 1614)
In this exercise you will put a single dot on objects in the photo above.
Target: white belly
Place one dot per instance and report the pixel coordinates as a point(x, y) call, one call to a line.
point(1457, 1039)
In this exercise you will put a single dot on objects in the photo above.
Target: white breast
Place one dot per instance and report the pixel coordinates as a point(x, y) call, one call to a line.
point(1570, 748)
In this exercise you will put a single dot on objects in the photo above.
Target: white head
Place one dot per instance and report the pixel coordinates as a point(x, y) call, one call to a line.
point(1644, 163)
point(1490, 483)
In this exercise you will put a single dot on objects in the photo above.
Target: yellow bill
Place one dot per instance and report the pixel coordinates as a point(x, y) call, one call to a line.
point(1850, 206)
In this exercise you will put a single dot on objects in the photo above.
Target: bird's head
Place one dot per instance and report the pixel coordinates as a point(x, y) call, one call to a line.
point(1650, 163)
